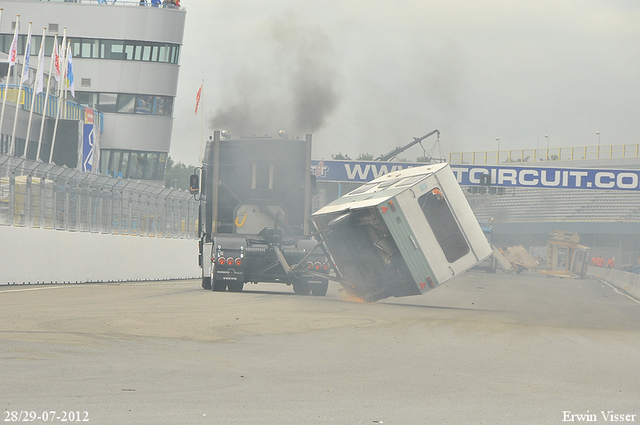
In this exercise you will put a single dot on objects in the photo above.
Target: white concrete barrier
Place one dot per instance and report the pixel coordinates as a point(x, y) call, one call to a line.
point(625, 281)
point(49, 256)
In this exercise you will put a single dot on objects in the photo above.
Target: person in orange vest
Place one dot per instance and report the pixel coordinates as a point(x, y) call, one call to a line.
point(611, 263)
point(593, 261)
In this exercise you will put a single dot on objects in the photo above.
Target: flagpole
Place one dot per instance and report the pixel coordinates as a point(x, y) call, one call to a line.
point(35, 88)
point(46, 97)
point(64, 77)
point(202, 121)
point(6, 84)
point(25, 64)
point(55, 126)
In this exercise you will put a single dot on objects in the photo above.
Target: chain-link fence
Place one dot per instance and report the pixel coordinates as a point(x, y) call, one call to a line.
point(35, 194)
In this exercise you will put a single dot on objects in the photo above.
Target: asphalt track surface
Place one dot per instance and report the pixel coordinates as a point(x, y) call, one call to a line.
point(481, 349)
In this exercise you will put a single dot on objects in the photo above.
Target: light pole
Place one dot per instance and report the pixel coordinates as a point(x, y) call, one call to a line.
point(546, 136)
point(498, 153)
point(598, 133)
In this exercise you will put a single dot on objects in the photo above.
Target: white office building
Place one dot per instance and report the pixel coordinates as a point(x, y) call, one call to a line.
point(125, 65)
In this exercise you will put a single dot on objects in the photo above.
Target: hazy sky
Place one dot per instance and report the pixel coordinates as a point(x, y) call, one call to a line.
point(367, 76)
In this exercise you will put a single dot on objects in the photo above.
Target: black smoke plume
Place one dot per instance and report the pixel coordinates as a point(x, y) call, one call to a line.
point(294, 88)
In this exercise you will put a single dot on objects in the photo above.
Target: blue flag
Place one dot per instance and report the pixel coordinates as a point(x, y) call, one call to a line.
point(27, 56)
point(70, 73)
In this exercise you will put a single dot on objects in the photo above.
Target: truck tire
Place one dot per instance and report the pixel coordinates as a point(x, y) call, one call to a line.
point(206, 282)
point(236, 286)
point(219, 285)
point(301, 288)
point(320, 289)
point(494, 265)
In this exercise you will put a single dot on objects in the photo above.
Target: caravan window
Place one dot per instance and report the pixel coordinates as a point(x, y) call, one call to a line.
point(444, 226)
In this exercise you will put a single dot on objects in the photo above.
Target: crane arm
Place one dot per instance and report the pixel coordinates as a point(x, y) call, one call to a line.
point(401, 149)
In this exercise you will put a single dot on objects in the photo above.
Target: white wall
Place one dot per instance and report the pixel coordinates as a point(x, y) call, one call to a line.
point(49, 256)
point(628, 282)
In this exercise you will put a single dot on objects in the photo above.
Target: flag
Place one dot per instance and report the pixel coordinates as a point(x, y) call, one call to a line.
point(55, 56)
point(198, 97)
point(13, 50)
point(27, 57)
point(70, 85)
point(40, 75)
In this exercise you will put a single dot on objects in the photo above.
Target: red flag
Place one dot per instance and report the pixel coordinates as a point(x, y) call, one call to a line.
point(56, 60)
point(198, 97)
point(13, 50)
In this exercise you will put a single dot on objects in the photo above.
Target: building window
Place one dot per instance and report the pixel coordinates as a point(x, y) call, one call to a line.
point(144, 104)
point(443, 225)
point(164, 54)
point(128, 51)
point(87, 49)
point(154, 53)
point(112, 49)
point(114, 165)
point(133, 164)
point(107, 102)
point(137, 163)
point(137, 53)
point(168, 106)
point(95, 48)
point(124, 165)
point(87, 98)
point(124, 103)
point(149, 172)
point(48, 46)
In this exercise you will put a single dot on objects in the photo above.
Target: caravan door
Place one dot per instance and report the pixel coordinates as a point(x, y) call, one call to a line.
point(444, 225)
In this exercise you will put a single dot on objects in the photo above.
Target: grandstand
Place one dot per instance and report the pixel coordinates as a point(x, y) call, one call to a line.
point(607, 221)
point(579, 208)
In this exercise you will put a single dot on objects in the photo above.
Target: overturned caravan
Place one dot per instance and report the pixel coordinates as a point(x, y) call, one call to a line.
point(401, 234)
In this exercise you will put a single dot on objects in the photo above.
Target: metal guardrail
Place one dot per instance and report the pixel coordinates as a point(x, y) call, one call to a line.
point(550, 154)
point(39, 195)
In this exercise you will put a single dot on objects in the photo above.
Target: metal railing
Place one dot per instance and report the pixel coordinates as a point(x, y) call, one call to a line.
point(68, 108)
point(550, 154)
point(114, 2)
point(39, 195)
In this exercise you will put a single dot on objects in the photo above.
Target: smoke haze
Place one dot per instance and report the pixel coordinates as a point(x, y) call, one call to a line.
point(365, 77)
point(292, 87)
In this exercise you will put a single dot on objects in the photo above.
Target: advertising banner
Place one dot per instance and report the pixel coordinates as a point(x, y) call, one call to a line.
point(565, 178)
point(90, 145)
point(494, 175)
point(356, 171)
